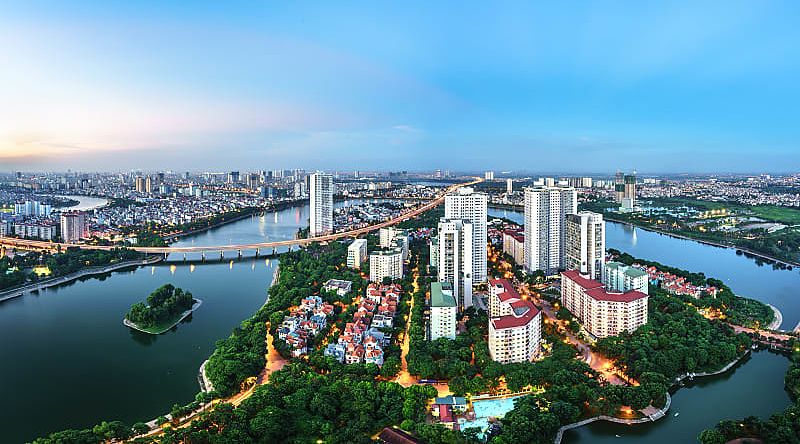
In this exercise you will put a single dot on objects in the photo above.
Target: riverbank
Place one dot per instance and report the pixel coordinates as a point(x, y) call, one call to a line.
point(611, 218)
point(159, 329)
point(245, 214)
point(16, 292)
point(658, 414)
point(705, 241)
point(177, 236)
point(777, 318)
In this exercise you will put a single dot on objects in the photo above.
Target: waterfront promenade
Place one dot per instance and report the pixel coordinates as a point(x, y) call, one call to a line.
point(16, 292)
point(651, 414)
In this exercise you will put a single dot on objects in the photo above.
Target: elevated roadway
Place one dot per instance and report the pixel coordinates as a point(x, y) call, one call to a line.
point(27, 244)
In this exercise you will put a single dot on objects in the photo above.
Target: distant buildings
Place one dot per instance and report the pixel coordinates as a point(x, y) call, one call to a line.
point(321, 197)
point(509, 186)
point(621, 277)
point(455, 258)
point(515, 324)
point(32, 208)
point(386, 263)
point(139, 184)
point(602, 312)
point(585, 247)
point(545, 228)
point(357, 253)
point(468, 205)
point(443, 307)
point(625, 191)
point(44, 229)
point(488, 175)
point(74, 226)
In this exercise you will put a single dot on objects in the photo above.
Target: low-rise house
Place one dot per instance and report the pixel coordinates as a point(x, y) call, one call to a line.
point(341, 287)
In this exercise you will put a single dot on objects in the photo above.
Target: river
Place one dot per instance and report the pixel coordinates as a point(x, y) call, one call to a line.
point(755, 387)
point(86, 203)
point(68, 362)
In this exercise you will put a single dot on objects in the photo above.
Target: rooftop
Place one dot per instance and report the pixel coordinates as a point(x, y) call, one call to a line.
point(442, 295)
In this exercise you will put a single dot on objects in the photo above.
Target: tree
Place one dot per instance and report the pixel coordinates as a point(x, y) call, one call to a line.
point(711, 436)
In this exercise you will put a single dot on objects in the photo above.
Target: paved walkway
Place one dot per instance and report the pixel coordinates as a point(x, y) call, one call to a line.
point(58, 280)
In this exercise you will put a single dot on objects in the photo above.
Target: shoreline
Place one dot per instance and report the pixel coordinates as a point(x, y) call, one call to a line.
point(238, 217)
point(608, 218)
point(777, 319)
point(16, 292)
point(706, 242)
point(184, 315)
point(662, 412)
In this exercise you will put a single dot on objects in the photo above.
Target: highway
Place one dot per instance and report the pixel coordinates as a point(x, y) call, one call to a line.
point(44, 245)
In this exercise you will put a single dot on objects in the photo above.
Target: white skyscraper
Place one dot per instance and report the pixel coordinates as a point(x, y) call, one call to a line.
point(456, 258)
point(468, 205)
point(321, 192)
point(586, 243)
point(545, 228)
point(509, 186)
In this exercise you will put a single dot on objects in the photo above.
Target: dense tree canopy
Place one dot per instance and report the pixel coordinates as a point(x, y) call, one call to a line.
point(164, 304)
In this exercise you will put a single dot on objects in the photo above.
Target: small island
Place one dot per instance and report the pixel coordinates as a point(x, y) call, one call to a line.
point(165, 308)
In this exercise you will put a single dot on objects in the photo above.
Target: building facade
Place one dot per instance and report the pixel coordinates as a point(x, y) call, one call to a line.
point(456, 258)
point(443, 308)
point(621, 277)
point(602, 313)
point(392, 236)
point(321, 198)
point(515, 324)
point(545, 228)
point(357, 253)
point(386, 263)
point(466, 204)
point(586, 243)
point(514, 245)
point(74, 226)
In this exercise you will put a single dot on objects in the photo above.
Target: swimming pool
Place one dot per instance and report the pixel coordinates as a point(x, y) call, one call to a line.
point(486, 408)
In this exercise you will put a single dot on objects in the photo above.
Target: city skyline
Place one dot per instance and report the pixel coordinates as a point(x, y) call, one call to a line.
point(680, 88)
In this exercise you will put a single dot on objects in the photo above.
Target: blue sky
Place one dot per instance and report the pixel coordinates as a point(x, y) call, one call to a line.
point(573, 87)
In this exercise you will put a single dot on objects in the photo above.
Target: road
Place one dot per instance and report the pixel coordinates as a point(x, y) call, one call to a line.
point(33, 244)
point(595, 360)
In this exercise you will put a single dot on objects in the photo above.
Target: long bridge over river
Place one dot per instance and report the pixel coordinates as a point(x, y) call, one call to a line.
point(28, 244)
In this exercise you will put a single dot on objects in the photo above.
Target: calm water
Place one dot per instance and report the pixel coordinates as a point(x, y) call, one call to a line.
point(86, 203)
point(754, 388)
point(67, 359)
point(743, 275)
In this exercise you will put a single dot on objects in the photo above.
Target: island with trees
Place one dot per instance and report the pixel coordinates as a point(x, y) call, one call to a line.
point(316, 398)
point(165, 308)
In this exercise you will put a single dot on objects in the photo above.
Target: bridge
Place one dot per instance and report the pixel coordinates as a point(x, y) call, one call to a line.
point(28, 244)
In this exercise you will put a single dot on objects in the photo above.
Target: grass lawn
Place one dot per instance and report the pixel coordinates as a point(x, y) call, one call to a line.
point(786, 215)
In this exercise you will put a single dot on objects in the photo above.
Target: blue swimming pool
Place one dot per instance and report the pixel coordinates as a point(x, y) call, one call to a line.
point(486, 408)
